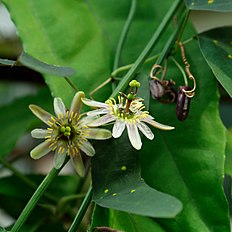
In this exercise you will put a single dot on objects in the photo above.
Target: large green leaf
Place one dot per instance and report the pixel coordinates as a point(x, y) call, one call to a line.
point(117, 182)
point(16, 118)
point(123, 221)
point(65, 34)
point(188, 162)
point(216, 47)
point(211, 5)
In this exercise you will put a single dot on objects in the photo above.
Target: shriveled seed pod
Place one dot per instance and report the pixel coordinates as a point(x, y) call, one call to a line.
point(183, 103)
point(156, 89)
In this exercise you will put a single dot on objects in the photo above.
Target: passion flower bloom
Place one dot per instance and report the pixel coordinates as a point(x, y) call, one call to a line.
point(67, 133)
point(128, 113)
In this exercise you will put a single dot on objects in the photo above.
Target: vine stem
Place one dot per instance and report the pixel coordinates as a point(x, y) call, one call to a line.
point(81, 212)
point(140, 60)
point(124, 33)
point(35, 198)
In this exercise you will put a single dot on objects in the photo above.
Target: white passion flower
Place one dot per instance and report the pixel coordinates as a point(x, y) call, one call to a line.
point(128, 113)
point(67, 133)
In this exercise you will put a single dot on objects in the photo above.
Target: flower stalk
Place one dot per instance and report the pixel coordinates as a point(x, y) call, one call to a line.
point(83, 208)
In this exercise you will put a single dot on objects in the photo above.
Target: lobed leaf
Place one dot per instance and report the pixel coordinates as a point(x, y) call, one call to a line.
point(118, 184)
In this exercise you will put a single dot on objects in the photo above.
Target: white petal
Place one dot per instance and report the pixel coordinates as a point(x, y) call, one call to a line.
point(78, 165)
point(87, 119)
point(103, 120)
point(39, 133)
point(100, 134)
point(134, 136)
point(59, 158)
point(59, 106)
point(98, 112)
point(76, 103)
point(41, 150)
point(87, 148)
point(145, 130)
point(157, 124)
point(93, 103)
point(118, 128)
point(40, 113)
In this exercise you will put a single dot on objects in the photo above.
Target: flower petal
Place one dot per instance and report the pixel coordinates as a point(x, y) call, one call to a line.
point(97, 112)
point(103, 120)
point(88, 119)
point(40, 113)
point(157, 124)
point(59, 157)
point(39, 133)
point(134, 136)
point(59, 107)
point(41, 150)
point(145, 130)
point(100, 134)
point(78, 165)
point(76, 103)
point(93, 103)
point(118, 128)
point(87, 148)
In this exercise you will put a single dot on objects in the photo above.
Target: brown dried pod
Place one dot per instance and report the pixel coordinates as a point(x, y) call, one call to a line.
point(156, 89)
point(183, 103)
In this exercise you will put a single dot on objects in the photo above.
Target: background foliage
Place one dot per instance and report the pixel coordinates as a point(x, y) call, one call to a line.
point(181, 169)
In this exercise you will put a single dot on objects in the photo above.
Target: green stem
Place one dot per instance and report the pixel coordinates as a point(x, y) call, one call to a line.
point(166, 50)
point(181, 70)
point(84, 206)
point(35, 198)
point(128, 66)
point(71, 84)
point(124, 33)
point(140, 60)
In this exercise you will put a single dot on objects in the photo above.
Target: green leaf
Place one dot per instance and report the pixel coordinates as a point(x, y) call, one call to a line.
point(74, 40)
point(210, 5)
point(216, 47)
point(123, 221)
point(228, 153)
point(118, 185)
point(42, 67)
point(16, 118)
point(188, 162)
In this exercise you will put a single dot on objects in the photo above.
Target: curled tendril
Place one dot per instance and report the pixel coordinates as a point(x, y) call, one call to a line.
point(188, 93)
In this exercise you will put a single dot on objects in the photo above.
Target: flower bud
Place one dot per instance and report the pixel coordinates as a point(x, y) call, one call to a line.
point(156, 89)
point(183, 103)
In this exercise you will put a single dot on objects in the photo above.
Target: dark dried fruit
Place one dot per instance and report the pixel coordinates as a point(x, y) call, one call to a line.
point(183, 103)
point(157, 89)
